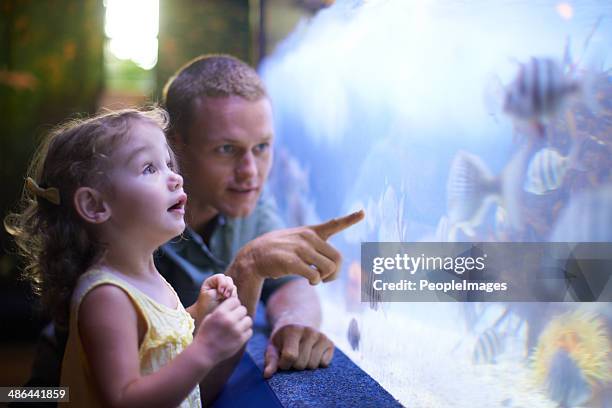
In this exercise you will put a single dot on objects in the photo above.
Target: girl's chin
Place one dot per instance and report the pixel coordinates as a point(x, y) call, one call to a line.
point(172, 233)
point(179, 230)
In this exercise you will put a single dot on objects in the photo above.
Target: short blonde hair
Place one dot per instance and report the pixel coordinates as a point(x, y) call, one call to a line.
point(208, 76)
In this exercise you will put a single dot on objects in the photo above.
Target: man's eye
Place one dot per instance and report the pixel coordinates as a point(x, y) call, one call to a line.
point(226, 149)
point(149, 169)
point(262, 147)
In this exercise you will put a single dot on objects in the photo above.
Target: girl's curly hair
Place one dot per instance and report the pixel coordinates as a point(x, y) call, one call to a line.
point(55, 242)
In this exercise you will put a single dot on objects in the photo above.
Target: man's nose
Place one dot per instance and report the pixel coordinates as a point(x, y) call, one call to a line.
point(246, 168)
point(175, 181)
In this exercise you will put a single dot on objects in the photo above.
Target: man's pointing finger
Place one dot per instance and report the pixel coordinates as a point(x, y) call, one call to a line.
point(335, 225)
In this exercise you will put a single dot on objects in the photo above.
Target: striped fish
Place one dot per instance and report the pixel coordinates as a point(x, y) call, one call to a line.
point(546, 171)
point(488, 346)
point(538, 91)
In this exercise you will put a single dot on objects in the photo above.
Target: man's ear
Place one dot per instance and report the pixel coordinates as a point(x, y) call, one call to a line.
point(91, 206)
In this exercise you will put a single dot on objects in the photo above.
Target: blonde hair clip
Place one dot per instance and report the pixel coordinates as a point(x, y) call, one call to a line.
point(50, 194)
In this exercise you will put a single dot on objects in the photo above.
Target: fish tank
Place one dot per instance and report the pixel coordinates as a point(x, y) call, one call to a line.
point(453, 121)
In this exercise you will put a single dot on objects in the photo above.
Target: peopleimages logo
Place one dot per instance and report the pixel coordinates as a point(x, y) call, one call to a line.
point(414, 264)
point(486, 272)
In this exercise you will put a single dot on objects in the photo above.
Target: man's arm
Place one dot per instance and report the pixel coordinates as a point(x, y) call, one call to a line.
point(293, 310)
point(273, 255)
point(295, 342)
point(295, 302)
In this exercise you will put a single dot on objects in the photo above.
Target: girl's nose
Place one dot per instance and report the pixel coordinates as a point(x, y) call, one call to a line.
point(175, 181)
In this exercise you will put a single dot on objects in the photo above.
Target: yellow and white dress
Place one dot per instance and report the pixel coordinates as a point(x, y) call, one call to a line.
point(168, 332)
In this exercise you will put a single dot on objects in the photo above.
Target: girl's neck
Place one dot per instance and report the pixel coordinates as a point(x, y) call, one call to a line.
point(129, 252)
point(129, 261)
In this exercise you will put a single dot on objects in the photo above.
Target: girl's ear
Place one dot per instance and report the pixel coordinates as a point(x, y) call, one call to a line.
point(90, 205)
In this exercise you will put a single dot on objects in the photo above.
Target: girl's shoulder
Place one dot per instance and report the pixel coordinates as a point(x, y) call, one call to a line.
point(101, 275)
point(95, 277)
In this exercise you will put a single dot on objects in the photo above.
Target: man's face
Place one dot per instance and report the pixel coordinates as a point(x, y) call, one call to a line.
point(226, 155)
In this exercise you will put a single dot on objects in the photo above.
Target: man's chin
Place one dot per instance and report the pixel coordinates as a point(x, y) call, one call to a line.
point(238, 207)
point(241, 211)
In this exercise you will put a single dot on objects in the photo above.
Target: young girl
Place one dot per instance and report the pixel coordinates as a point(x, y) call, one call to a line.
point(102, 195)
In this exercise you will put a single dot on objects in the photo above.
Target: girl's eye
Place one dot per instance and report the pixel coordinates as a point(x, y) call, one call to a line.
point(149, 169)
point(170, 165)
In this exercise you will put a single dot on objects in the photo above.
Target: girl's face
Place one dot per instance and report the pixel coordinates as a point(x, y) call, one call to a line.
point(146, 197)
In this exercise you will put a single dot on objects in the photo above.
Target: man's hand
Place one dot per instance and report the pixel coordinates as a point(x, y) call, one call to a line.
point(293, 309)
point(298, 347)
point(299, 251)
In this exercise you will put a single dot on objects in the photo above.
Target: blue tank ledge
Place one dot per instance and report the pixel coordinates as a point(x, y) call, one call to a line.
point(342, 384)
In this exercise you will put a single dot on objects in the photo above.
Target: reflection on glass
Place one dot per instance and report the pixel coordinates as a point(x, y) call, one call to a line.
point(455, 121)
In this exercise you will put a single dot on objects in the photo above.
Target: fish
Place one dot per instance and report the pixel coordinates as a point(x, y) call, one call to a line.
point(353, 334)
point(442, 230)
point(538, 92)
point(546, 171)
point(489, 345)
point(548, 167)
point(572, 354)
point(470, 188)
point(566, 384)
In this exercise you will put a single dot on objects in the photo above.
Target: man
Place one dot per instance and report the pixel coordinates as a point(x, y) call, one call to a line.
point(222, 131)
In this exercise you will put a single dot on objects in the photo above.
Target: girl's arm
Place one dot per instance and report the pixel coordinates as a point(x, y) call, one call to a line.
point(108, 326)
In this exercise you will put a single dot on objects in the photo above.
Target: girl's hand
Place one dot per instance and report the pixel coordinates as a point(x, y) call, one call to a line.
point(213, 291)
point(224, 331)
point(224, 286)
